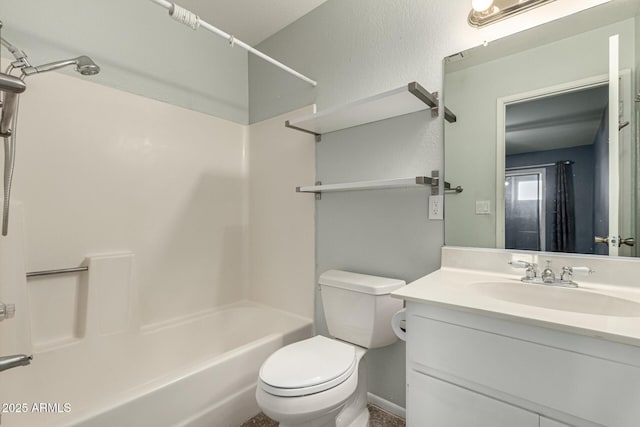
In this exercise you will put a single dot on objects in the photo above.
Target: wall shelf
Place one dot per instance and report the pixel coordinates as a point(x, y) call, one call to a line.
point(383, 184)
point(380, 184)
point(397, 102)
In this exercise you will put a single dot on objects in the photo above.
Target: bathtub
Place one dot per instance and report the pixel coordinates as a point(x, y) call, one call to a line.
point(196, 371)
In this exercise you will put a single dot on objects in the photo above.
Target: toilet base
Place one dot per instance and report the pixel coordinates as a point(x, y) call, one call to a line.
point(355, 412)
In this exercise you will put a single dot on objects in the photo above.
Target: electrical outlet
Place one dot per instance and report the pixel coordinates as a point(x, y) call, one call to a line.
point(436, 207)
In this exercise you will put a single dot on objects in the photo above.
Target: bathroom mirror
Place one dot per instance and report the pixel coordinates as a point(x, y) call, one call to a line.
point(545, 139)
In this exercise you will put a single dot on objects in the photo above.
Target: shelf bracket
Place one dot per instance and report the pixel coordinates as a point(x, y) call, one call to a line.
point(448, 114)
point(434, 182)
point(318, 136)
point(435, 111)
point(432, 100)
point(317, 193)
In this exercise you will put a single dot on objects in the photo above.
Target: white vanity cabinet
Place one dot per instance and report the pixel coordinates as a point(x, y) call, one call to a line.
point(439, 403)
point(468, 369)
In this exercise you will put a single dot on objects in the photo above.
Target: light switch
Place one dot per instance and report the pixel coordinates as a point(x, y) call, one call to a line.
point(483, 207)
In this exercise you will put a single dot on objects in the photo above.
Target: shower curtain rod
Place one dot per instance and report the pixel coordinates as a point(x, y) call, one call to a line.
point(544, 165)
point(192, 20)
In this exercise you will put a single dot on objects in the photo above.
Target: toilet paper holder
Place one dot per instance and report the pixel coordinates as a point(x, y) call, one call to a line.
point(399, 324)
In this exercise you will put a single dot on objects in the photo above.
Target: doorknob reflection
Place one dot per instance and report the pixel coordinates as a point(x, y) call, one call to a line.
point(630, 241)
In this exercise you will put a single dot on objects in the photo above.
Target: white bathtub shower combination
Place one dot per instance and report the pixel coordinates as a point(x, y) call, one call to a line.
point(200, 254)
point(172, 330)
point(111, 370)
point(200, 371)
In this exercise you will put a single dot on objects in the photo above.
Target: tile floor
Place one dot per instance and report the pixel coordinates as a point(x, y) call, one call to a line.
point(379, 418)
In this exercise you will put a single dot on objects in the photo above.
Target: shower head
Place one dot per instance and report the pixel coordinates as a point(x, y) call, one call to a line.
point(84, 65)
point(11, 84)
point(10, 87)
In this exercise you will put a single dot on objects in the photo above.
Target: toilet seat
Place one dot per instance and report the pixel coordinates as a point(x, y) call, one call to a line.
point(307, 367)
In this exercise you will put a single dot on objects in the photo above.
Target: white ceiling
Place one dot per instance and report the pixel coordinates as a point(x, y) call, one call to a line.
point(561, 121)
point(251, 21)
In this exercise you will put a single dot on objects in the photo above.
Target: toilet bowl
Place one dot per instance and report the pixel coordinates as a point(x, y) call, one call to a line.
point(320, 381)
point(324, 380)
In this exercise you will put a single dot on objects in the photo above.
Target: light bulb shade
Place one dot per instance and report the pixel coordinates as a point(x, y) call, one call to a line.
point(487, 12)
point(481, 5)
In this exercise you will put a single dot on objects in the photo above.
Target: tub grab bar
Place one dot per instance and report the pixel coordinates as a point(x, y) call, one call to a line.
point(60, 271)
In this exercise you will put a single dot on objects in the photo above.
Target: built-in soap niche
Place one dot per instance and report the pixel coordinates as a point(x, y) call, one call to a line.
point(58, 307)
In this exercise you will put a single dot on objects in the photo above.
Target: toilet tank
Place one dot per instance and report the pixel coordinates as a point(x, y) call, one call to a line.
point(358, 307)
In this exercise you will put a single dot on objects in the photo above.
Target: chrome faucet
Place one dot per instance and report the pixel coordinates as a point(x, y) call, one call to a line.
point(567, 274)
point(7, 311)
point(548, 277)
point(8, 362)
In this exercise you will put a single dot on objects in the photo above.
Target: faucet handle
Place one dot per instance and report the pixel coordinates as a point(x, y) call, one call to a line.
point(568, 272)
point(532, 268)
point(7, 311)
point(522, 264)
point(10, 311)
point(580, 270)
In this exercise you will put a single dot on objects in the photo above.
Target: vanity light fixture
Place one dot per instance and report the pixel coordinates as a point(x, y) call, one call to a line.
point(485, 12)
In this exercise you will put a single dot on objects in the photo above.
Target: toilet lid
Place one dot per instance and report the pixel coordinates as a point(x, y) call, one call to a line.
point(308, 367)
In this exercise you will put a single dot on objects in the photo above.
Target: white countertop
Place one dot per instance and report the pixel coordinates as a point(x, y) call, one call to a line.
point(458, 289)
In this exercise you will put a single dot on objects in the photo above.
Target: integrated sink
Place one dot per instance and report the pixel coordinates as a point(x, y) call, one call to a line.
point(556, 298)
point(476, 281)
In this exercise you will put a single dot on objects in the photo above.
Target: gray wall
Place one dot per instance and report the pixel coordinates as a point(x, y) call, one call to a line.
point(140, 49)
point(357, 48)
point(384, 233)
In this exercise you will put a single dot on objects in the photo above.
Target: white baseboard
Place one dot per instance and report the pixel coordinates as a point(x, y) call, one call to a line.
point(385, 405)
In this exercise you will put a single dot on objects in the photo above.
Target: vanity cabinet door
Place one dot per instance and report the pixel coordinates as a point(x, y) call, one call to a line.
point(432, 402)
point(546, 422)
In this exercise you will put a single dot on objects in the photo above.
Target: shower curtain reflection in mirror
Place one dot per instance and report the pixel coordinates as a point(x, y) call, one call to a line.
point(564, 224)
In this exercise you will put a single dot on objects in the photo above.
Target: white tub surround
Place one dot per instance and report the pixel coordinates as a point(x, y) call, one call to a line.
point(127, 173)
point(95, 364)
point(481, 281)
point(485, 349)
point(166, 327)
point(281, 240)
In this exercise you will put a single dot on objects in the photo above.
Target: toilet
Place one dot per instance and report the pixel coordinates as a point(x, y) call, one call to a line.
point(321, 382)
